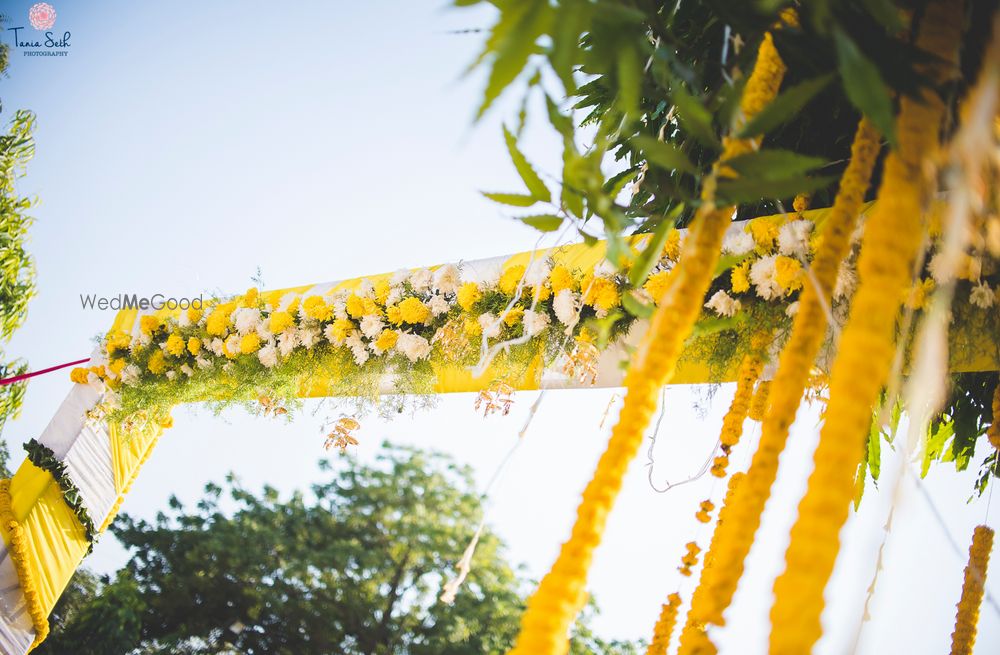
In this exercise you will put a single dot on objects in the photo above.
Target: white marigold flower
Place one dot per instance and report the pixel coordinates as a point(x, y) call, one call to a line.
point(141, 341)
point(604, 268)
point(982, 296)
point(268, 355)
point(938, 268)
point(723, 304)
point(792, 309)
point(357, 347)
point(395, 295)
point(413, 346)
point(187, 370)
point(738, 243)
point(246, 319)
point(366, 289)
point(421, 279)
point(217, 347)
point(287, 341)
point(847, 282)
point(183, 320)
point(130, 375)
point(399, 277)
point(171, 375)
point(438, 305)
point(762, 277)
point(793, 238)
point(565, 305)
point(340, 307)
point(490, 325)
point(331, 336)
point(308, 336)
point(446, 279)
point(203, 362)
point(263, 330)
point(372, 326)
point(535, 322)
point(232, 345)
point(537, 273)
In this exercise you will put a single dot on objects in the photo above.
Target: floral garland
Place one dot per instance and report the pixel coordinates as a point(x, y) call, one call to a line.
point(693, 637)
point(19, 555)
point(42, 456)
point(664, 626)
point(973, 588)
point(560, 595)
point(892, 239)
point(795, 361)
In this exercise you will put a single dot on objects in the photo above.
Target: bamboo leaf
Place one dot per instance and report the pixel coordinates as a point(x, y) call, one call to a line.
point(784, 107)
point(512, 199)
point(636, 307)
point(542, 222)
point(740, 190)
point(864, 86)
point(773, 164)
point(693, 116)
point(664, 155)
point(650, 255)
point(531, 179)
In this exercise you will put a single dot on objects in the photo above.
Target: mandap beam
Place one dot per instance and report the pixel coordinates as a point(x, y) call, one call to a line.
point(80, 468)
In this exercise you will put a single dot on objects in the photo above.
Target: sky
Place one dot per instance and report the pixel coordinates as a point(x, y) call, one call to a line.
point(183, 146)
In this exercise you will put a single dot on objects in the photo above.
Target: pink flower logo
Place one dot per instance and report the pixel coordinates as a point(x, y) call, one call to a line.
point(42, 15)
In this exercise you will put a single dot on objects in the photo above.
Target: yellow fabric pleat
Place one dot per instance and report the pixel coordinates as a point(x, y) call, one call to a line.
point(128, 454)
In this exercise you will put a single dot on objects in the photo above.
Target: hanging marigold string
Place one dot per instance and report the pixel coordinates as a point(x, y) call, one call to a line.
point(664, 626)
point(19, 555)
point(758, 405)
point(964, 636)
point(560, 595)
point(893, 236)
point(785, 392)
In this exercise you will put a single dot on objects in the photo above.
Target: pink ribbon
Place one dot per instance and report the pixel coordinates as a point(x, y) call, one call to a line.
point(25, 376)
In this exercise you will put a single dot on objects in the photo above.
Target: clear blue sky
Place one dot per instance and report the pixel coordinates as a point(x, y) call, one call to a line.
point(183, 145)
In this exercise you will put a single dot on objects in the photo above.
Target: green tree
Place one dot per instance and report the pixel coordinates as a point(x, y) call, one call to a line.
point(354, 566)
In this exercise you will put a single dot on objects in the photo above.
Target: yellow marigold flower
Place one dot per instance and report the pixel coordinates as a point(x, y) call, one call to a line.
point(973, 588)
point(386, 339)
point(117, 341)
point(787, 272)
point(414, 311)
point(541, 292)
point(657, 284)
point(217, 322)
point(342, 328)
point(560, 278)
point(293, 306)
point(273, 299)
point(603, 293)
point(393, 315)
point(672, 246)
point(251, 297)
point(157, 362)
point(382, 290)
point(372, 308)
point(315, 307)
point(279, 321)
point(739, 277)
point(79, 375)
point(514, 316)
point(918, 295)
point(355, 306)
point(194, 345)
point(250, 343)
point(167, 422)
point(194, 315)
point(175, 345)
point(764, 231)
point(510, 279)
point(117, 365)
point(472, 327)
point(149, 324)
point(468, 295)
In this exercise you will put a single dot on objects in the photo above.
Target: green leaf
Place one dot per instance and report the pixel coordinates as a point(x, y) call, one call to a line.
point(864, 86)
point(693, 116)
point(531, 179)
point(727, 262)
point(934, 448)
point(885, 12)
point(650, 255)
point(629, 80)
point(542, 222)
point(664, 155)
point(741, 190)
point(512, 199)
point(512, 41)
point(602, 327)
point(636, 307)
point(773, 164)
point(784, 107)
point(571, 21)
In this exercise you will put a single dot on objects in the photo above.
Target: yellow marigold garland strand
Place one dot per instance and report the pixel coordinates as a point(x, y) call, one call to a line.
point(893, 236)
point(693, 637)
point(664, 626)
point(560, 595)
point(19, 555)
point(964, 636)
point(993, 432)
point(785, 391)
point(758, 406)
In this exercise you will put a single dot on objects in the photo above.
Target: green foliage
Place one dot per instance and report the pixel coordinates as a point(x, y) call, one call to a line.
point(353, 566)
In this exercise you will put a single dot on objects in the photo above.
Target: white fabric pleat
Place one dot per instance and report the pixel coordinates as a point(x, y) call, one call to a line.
point(88, 463)
point(68, 421)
